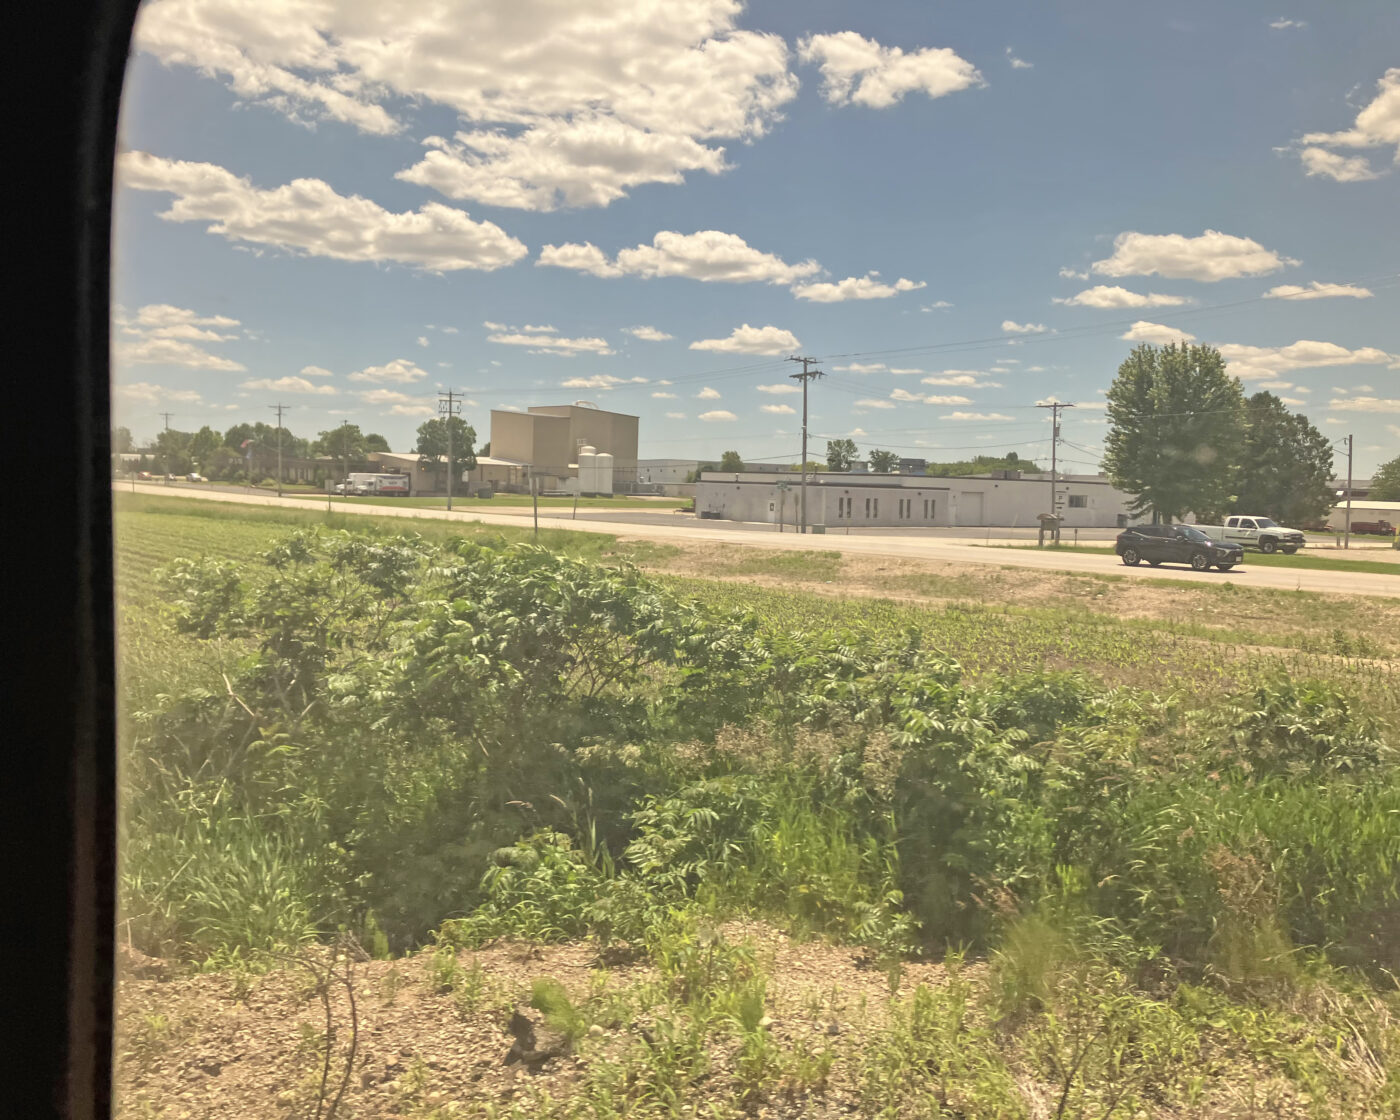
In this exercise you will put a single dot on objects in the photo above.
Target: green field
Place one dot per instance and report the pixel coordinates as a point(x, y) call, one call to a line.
point(1386, 567)
point(733, 849)
point(554, 503)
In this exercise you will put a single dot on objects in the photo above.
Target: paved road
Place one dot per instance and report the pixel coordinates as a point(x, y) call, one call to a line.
point(920, 547)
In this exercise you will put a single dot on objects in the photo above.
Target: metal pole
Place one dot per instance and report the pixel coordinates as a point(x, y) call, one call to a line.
point(278, 408)
point(1054, 407)
point(535, 501)
point(805, 376)
point(447, 407)
point(1351, 442)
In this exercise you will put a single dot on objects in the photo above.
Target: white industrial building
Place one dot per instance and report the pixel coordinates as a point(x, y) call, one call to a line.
point(1363, 509)
point(854, 500)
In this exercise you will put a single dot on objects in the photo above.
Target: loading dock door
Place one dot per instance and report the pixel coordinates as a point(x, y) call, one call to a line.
point(970, 507)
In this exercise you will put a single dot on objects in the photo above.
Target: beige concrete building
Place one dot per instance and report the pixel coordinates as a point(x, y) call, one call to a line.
point(547, 439)
point(490, 473)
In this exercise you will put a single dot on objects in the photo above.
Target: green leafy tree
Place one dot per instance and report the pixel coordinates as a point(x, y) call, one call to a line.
point(730, 461)
point(122, 443)
point(432, 446)
point(1385, 483)
point(203, 444)
point(344, 443)
point(485, 448)
point(983, 464)
point(840, 454)
point(173, 451)
point(224, 463)
point(884, 462)
point(1175, 418)
point(375, 442)
point(1285, 464)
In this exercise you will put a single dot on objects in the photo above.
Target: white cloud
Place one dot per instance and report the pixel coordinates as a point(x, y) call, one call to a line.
point(778, 409)
point(872, 402)
point(708, 255)
point(1319, 162)
point(1318, 290)
point(143, 392)
point(288, 385)
point(1071, 274)
point(975, 416)
point(1156, 333)
point(1293, 402)
point(954, 377)
point(412, 410)
point(307, 216)
point(561, 104)
point(1012, 327)
point(664, 396)
point(751, 340)
point(707, 394)
point(780, 387)
point(1377, 125)
point(388, 396)
point(1106, 295)
point(648, 334)
point(675, 416)
point(399, 371)
point(315, 371)
point(1264, 363)
point(422, 340)
point(1365, 404)
point(1211, 256)
point(1017, 63)
point(1282, 24)
point(861, 367)
point(927, 398)
point(171, 352)
point(857, 70)
point(933, 398)
point(546, 340)
point(1393, 429)
point(937, 305)
point(601, 381)
point(581, 258)
point(855, 287)
point(719, 415)
point(163, 334)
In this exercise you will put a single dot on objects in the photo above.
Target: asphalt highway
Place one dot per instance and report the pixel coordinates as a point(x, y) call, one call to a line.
point(892, 543)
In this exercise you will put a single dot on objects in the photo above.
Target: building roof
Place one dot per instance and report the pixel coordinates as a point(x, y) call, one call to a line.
point(1366, 503)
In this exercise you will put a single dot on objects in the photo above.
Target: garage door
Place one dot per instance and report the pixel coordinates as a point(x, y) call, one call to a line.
point(970, 507)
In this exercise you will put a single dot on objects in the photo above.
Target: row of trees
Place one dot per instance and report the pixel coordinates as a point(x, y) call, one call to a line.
point(1184, 438)
point(224, 456)
point(841, 456)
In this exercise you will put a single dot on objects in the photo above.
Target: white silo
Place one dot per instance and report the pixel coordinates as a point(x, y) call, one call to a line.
point(604, 473)
point(587, 469)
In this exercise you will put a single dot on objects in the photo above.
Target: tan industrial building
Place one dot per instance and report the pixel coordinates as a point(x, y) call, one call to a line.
point(490, 473)
point(547, 439)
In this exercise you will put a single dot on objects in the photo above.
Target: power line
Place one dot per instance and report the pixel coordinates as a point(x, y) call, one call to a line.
point(1054, 407)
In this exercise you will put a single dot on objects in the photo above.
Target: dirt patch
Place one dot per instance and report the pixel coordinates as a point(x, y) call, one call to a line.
point(220, 1045)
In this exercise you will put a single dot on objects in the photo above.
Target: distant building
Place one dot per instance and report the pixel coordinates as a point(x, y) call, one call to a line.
point(836, 500)
point(675, 477)
point(546, 440)
point(490, 473)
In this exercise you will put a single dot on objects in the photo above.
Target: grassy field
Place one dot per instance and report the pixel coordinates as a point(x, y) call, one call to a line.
point(478, 829)
point(1385, 566)
point(552, 503)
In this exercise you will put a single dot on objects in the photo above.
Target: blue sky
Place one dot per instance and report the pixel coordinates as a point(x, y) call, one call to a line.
point(959, 208)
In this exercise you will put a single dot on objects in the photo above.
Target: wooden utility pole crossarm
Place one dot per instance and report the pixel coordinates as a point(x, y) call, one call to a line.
point(807, 374)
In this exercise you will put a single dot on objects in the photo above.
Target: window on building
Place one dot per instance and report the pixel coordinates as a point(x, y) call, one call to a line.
point(877, 507)
point(1079, 501)
point(867, 507)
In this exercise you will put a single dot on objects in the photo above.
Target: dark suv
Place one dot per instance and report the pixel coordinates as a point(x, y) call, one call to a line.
point(1176, 544)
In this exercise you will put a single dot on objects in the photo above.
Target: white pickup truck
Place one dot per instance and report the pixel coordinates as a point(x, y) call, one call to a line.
point(1262, 533)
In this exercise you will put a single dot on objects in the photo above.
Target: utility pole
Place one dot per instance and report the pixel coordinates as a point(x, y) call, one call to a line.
point(1351, 443)
point(449, 404)
point(279, 409)
point(1054, 407)
point(805, 376)
point(166, 416)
